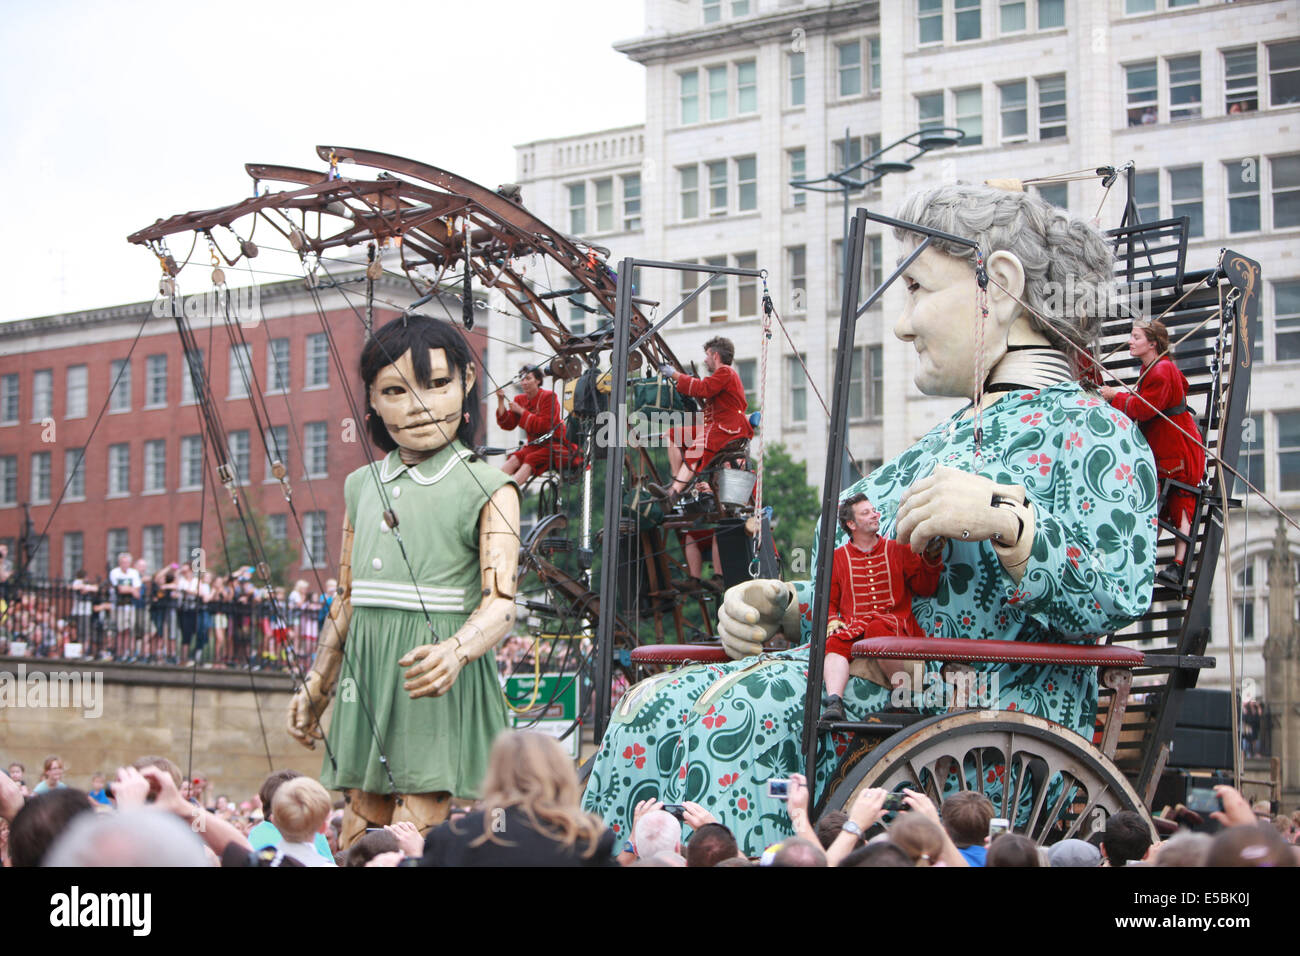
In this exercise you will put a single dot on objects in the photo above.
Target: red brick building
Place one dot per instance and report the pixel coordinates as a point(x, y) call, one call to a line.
point(141, 485)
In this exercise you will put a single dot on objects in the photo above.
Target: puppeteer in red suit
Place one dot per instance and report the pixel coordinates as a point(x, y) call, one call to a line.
point(873, 581)
point(537, 410)
point(723, 418)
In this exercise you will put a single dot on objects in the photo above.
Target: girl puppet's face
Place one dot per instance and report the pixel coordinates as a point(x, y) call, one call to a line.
point(418, 417)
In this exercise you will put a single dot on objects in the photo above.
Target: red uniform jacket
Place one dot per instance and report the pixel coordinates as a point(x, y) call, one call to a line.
point(723, 399)
point(537, 417)
point(871, 591)
point(1177, 455)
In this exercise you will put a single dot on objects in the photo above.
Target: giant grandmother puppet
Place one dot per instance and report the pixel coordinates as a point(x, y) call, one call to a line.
point(426, 589)
point(1066, 555)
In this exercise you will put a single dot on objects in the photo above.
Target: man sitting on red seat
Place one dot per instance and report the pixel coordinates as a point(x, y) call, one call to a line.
point(873, 581)
point(723, 419)
point(538, 411)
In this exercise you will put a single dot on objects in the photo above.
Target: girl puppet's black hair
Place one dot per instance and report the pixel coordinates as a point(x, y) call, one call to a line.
point(417, 334)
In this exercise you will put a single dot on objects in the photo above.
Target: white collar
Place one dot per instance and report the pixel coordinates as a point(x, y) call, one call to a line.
point(440, 463)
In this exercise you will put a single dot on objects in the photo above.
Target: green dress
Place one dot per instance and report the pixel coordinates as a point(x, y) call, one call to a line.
point(401, 601)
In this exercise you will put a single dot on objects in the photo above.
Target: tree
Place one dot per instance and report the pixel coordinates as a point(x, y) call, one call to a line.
point(280, 554)
point(796, 508)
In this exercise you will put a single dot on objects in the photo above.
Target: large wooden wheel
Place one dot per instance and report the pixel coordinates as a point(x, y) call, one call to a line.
point(1015, 758)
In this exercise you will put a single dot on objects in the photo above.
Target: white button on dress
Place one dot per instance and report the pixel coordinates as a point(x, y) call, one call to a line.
point(397, 492)
point(377, 564)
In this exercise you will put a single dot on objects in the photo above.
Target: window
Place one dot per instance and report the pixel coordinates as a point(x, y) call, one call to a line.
point(929, 21)
point(1240, 81)
point(929, 110)
point(1251, 462)
point(313, 539)
point(717, 172)
point(318, 361)
point(39, 564)
point(41, 479)
point(848, 152)
point(8, 480)
point(870, 275)
point(241, 370)
point(747, 369)
point(1285, 172)
point(74, 554)
point(277, 527)
point(1056, 194)
point(1185, 197)
point(277, 447)
point(746, 286)
point(873, 59)
point(191, 463)
point(739, 8)
point(189, 384)
point(798, 388)
point(42, 395)
point(1284, 73)
point(1051, 14)
point(120, 381)
point(717, 291)
point(155, 381)
point(1140, 83)
point(746, 87)
point(1014, 112)
point(1146, 193)
point(74, 472)
point(578, 314)
point(277, 365)
point(796, 67)
point(10, 390)
point(1012, 17)
point(712, 10)
point(1243, 194)
point(119, 470)
point(239, 455)
point(1139, 6)
point(969, 114)
point(875, 382)
point(315, 440)
point(155, 466)
point(118, 542)
point(604, 205)
point(747, 183)
point(796, 265)
point(798, 166)
point(689, 179)
point(689, 96)
point(1288, 451)
point(190, 543)
point(76, 404)
point(577, 208)
point(967, 15)
point(848, 57)
point(631, 203)
point(717, 86)
point(1051, 107)
point(689, 280)
point(1286, 320)
point(1184, 87)
point(857, 396)
point(151, 546)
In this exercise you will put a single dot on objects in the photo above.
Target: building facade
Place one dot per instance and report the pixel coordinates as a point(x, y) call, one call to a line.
point(103, 449)
point(743, 96)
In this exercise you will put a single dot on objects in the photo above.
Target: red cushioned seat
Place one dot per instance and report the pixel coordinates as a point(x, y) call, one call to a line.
point(1010, 652)
point(663, 654)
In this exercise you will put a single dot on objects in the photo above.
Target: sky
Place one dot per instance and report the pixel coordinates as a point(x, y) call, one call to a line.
point(115, 115)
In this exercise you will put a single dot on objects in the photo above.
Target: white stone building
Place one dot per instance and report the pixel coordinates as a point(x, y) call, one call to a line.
point(744, 95)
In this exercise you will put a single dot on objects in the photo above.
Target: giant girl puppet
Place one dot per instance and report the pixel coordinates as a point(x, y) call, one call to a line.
point(426, 589)
point(1066, 554)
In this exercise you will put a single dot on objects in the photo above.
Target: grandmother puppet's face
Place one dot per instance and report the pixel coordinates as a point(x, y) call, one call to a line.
point(418, 417)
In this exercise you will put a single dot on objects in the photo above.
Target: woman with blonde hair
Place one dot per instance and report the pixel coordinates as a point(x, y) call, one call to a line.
point(529, 814)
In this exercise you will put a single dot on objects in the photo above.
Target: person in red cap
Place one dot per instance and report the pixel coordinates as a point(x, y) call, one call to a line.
point(724, 418)
point(537, 410)
point(1158, 403)
point(873, 581)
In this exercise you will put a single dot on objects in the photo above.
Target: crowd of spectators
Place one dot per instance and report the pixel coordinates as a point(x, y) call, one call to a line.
point(530, 815)
point(171, 615)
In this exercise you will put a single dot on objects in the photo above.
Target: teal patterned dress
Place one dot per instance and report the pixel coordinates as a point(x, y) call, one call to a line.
point(714, 734)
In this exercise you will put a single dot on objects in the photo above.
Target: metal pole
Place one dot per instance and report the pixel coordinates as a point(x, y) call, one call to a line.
point(613, 495)
point(831, 493)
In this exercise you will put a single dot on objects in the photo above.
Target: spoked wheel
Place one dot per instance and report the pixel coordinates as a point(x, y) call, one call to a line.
point(1047, 780)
